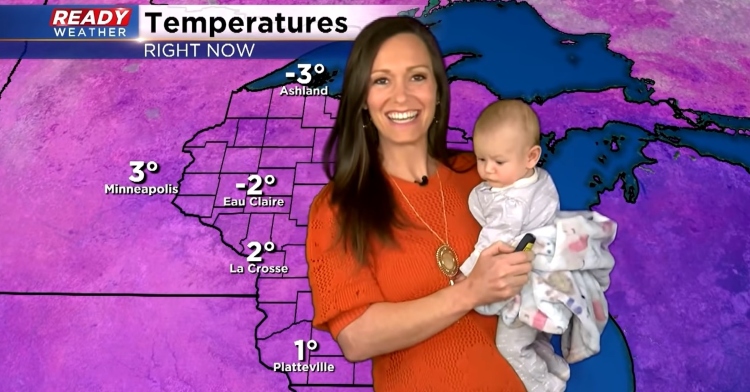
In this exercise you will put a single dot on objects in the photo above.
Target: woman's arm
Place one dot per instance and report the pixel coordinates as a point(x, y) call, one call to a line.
point(386, 327)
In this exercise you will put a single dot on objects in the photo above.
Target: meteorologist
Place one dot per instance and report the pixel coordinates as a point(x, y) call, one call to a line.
point(388, 232)
point(397, 194)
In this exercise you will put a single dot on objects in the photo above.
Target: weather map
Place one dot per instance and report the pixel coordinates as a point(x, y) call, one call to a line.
point(154, 213)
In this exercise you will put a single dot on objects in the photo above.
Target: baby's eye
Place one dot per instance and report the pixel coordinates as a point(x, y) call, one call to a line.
point(480, 159)
point(499, 162)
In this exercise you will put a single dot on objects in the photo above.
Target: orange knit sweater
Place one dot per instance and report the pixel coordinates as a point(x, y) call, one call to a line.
point(463, 357)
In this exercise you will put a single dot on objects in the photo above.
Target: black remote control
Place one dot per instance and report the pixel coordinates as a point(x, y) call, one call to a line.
point(527, 242)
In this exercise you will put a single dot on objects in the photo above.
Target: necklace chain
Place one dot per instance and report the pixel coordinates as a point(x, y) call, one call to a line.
point(442, 197)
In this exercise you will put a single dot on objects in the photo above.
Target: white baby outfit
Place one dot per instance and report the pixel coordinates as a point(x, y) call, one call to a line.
point(565, 293)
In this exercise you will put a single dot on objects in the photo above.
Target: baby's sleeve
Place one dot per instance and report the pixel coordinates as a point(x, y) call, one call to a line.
point(476, 207)
point(483, 242)
point(342, 289)
point(471, 261)
point(478, 211)
point(544, 206)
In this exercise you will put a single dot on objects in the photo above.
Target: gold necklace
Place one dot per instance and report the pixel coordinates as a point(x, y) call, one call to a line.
point(446, 257)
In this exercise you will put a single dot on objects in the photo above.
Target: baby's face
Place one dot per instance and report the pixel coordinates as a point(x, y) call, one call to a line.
point(502, 156)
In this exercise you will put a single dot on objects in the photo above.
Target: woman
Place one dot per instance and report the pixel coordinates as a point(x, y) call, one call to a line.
point(386, 235)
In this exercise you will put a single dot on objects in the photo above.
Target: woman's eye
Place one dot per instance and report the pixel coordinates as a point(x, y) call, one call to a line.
point(380, 81)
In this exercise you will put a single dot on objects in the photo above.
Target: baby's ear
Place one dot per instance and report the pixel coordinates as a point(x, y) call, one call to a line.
point(534, 154)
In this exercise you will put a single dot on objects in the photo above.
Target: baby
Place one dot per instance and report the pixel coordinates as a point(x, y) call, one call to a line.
point(561, 297)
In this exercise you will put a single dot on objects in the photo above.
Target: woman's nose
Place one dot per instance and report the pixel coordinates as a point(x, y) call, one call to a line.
point(399, 92)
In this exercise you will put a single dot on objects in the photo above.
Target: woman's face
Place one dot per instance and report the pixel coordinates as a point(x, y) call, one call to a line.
point(403, 91)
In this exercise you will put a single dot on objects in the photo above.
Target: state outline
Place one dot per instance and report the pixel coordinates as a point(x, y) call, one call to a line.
point(188, 150)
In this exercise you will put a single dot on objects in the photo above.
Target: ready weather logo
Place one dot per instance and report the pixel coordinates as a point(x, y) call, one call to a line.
point(81, 23)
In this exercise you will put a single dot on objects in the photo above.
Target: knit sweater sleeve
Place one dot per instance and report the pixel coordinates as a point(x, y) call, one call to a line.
point(342, 290)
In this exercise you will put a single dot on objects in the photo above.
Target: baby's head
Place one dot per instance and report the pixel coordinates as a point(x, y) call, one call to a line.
point(506, 142)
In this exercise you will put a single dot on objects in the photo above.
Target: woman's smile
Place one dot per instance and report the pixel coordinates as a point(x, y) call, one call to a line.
point(403, 117)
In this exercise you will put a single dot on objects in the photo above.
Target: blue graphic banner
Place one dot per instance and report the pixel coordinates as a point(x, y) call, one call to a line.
point(84, 22)
point(157, 50)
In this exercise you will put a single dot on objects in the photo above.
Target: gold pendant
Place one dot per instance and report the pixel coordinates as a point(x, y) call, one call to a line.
point(447, 260)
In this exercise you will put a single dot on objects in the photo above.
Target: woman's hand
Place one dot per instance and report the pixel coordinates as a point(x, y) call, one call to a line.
point(498, 274)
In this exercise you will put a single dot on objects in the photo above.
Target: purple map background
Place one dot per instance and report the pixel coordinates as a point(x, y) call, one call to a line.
point(69, 127)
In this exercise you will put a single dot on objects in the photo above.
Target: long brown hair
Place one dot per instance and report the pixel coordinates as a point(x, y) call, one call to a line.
point(360, 192)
